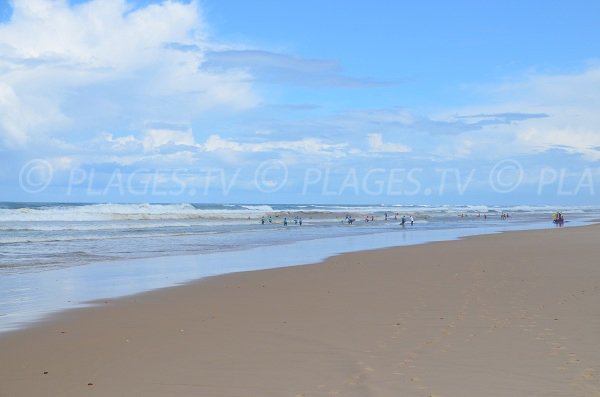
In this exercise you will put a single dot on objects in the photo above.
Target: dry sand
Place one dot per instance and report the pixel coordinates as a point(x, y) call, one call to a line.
point(516, 314)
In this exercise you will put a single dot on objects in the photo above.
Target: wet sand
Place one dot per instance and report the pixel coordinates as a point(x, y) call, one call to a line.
point(516, 314)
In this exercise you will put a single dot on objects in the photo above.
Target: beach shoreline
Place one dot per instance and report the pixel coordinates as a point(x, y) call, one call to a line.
point(515, 313)
point(26, 298)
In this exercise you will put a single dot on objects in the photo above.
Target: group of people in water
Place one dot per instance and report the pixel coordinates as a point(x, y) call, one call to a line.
point(558, 218)
point(297, 220)
point(349, 220)
point(405, 219)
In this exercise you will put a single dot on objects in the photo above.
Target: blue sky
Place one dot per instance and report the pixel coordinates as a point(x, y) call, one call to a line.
point(387, 102)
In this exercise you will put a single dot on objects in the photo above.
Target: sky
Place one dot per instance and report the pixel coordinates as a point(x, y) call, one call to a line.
point(211, 101)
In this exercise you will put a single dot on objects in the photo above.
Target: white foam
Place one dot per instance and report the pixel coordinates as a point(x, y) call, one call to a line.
point(107, 212)
point(260, 208)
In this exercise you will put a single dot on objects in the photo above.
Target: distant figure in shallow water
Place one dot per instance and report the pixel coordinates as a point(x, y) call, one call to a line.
point(559, 219)
point(284, 221)
point(412, 220)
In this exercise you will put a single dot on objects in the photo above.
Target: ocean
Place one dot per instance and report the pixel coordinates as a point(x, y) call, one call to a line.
point(38, 236)
point(56, 256)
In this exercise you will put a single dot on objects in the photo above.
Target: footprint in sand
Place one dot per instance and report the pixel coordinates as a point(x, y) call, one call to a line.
point(588, 374)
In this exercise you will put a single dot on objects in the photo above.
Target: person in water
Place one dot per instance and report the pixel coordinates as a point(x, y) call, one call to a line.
point(285, 221)
point(300, 221)
point(403, 221)
point(262, 220)
point(412, 220)
point(558, 218)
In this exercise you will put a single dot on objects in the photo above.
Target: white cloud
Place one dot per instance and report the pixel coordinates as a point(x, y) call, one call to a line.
point(172, 148)
point(569, 105)
point(154, 139)
point(305, 145)
point(21, 115)
point(70, 68)
point(376, 145)
point(585, 142)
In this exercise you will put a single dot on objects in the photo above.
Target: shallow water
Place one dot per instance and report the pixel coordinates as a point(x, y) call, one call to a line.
point(39, 236)
point(29, 296)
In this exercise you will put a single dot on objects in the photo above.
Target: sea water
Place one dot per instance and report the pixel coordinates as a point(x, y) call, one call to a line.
point(56, 256)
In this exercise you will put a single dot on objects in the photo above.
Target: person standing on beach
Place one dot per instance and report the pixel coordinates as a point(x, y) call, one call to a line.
point(403, 221)
point(285, 221)
point(300, 221)
point(412, 220)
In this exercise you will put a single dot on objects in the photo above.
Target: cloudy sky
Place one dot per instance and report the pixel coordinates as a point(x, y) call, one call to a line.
point(425, 102)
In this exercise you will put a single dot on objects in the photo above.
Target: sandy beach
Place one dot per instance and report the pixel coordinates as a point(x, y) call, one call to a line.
point(516, 314)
